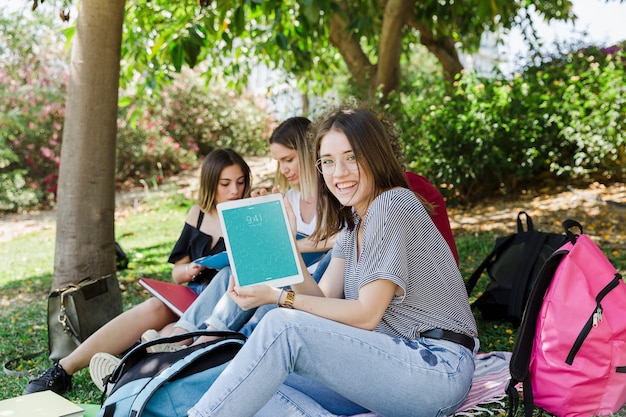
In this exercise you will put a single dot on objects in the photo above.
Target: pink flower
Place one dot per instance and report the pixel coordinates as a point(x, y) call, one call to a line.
point(46, 152)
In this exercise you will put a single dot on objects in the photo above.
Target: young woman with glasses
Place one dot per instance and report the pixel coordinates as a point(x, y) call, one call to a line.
point(388, 328)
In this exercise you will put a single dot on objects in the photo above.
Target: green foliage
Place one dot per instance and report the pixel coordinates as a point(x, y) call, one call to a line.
point(297, 36)
point(230, 37)
point(212, 117)
point(32, 92)
point(158, 134)
point(166, 132)
point(591, 111)
point(560, 120)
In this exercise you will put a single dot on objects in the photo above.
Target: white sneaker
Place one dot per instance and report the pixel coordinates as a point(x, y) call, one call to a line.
point(163, 347)
point(149, 334)
point(101, 366)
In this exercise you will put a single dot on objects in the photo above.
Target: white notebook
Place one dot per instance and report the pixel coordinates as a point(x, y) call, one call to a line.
point(40, 404)
point(260, 245)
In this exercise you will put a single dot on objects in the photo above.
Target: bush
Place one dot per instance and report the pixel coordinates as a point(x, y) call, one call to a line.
point(560, 120)
point(32, 93)
point(207, 118)
point(169, 131)
point(591, 111)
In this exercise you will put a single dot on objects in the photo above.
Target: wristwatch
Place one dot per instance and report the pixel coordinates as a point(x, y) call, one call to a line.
point(288, 299)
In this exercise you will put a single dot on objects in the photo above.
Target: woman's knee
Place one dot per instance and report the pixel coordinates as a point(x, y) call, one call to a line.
point(154, 307)
point(283, 318)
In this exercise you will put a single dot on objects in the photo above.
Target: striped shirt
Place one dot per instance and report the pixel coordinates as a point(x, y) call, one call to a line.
point(402, 244)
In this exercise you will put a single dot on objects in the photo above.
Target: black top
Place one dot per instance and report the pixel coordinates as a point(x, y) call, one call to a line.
point(196, 244)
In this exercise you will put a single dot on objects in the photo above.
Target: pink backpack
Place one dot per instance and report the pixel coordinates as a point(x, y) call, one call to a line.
point(570, 355)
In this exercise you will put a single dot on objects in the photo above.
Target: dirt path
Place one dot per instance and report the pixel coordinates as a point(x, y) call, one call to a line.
point(13, 225)
point(601, 209)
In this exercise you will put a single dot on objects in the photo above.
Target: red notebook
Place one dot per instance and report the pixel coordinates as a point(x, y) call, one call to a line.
point(176, 296)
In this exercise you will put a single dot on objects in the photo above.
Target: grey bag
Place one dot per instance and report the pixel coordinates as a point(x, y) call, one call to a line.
point(78, 310)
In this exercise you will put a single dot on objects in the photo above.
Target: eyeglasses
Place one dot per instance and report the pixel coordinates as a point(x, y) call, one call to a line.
point(327, 165)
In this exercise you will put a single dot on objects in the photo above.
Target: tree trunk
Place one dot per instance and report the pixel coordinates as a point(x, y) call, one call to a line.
point(444, 49)
point(395, 17)
point(85, 236)
point(386, 74)
point(362, 70)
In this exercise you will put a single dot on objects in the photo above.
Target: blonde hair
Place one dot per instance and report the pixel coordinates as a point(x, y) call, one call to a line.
point(294, 133)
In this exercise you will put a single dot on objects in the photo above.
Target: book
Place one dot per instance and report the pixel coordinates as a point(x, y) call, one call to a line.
point(40, 404)
point(177, 297)
point(260, 245)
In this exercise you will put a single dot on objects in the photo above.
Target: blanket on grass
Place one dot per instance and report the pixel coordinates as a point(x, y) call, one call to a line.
point(490, 379)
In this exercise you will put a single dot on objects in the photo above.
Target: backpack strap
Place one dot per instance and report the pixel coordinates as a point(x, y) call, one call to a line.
point(570, 224)
point(139, 351)
point(500, 245)
point(520, 358)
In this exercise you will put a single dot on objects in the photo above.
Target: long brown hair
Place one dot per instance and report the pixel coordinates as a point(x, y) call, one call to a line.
point(212, 167)
point(372, 148)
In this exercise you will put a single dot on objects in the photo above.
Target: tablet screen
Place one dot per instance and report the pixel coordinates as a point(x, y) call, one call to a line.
point(259, 242)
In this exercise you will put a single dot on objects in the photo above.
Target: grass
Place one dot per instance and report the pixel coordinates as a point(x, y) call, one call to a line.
point(147, 236)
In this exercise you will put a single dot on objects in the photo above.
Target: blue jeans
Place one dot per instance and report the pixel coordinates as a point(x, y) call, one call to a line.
point(214, 308)
point(388, 375)
point(213, 300)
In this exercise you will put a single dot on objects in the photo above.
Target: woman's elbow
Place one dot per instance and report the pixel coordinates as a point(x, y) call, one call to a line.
point(368, 324)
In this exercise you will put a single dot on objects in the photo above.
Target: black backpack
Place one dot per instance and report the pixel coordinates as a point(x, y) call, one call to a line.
point(512, 266)
point(168, 384)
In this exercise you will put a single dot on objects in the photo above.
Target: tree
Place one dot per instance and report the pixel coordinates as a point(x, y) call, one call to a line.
point(312, 39)
point(85, 239)
point(301, 37)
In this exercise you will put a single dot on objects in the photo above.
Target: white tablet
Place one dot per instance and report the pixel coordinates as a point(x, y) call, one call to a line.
point(260, 246)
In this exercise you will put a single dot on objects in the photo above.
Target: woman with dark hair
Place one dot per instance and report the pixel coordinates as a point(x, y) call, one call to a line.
point(224, 176)
point(388, 328)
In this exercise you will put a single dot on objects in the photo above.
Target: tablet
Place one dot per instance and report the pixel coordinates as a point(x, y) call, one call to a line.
point(259, 242)
point(217, 261)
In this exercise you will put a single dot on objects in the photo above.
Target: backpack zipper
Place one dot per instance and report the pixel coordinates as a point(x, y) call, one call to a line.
point(594, 319)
